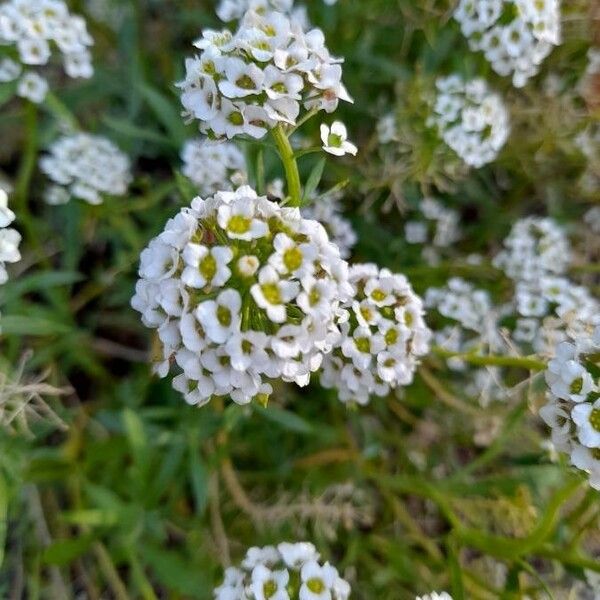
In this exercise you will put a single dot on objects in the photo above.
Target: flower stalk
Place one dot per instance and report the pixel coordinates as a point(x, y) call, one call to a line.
point(286, 153)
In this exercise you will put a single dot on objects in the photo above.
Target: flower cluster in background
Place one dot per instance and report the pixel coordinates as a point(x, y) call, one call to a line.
point(290, 571)
point(85, 166)
point(241, 290)
point(264, 74)
point(470, 118)
point(514, 35)
point(435, 228)
point(383, 337)
point(573, 409)
point(9, 238)
point(213, 166)
point(29, 32)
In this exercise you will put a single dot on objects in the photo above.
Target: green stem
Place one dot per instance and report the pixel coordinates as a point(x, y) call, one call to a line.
point(290, 165)
point(531, 363)
point(60, 111)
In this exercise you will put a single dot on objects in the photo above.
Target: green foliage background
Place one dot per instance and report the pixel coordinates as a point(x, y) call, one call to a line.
point(139, 495)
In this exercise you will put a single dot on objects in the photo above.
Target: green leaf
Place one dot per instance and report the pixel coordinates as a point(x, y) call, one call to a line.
point(124, 127)
point(63, 552)
point(3, 516)
point(286, 419)
point(165, 111)
point(198, 474)
point(185, 186)
point(38, 281)
point(7, 91)
point(314, 179)
point(34, 326)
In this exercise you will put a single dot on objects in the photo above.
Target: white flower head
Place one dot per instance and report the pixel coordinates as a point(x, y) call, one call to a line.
point(88, 167)
point(335, 139)
point(383, 336)
point(42, 33)
point(251, 290)
point(264, 74)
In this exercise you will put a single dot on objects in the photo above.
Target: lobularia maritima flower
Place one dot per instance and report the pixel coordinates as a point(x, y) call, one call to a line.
point(383, 336)
point(241, 291)
point(286, 572)
point(535, 247)
point(213, 165)
point(573, 408)
point(435, 596)
point(335, 139)
point(9, 238)
point(233, 10)
point(471, 119)
point(435, 229)
point(247, 82)
point(327, 209)
point(29, 32)
point(85, 166)
point(514, 35)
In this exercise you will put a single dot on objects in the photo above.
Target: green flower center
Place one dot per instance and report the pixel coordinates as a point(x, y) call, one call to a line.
point(315, 585)
point(314, 297)
point(378, 295)
point(279, 87)
point(236, 118)
point(246, 347)
point(363, 345)
point(269, 588)
point(391, 337)
point(271, 293)
point(239, 224)
point(408, 318)
point(576, 386)
point(595, 419)
point(224, 316)
point(292, 258)
point(209, 67)
point(245, 82)
point(365, 311)
point(595, 453)
point(208, 267)
point(334, 140)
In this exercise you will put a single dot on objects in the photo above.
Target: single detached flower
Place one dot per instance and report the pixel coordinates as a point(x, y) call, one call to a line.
point(335, 140)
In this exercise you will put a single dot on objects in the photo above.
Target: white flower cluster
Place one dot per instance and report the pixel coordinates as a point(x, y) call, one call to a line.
point(471, 119)
point(435, 596)
point(327, 209)
point(535, 247)
point(514, 35)
point(29, 29)
point(383, 336)
point(9, 238)
point(233, 10)
point(436, 229)
point(87, 167)
point(286, 572)
point(573, 409)
point(249, 81)
point(213, 166)
point(592, 219)
point(240, 290)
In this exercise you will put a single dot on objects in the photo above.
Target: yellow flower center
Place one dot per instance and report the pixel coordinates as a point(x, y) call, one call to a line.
point(269, 588)
point(236, 118)
point(292, 258)
point(315, 585)
point(239, 224)
point(363, 345)
point(595, 419)
point(378, 295)
point(224, 316)
point(271, 293)
point(245, 82)
point(208, 267)
point(576, 386)
point(391, 337)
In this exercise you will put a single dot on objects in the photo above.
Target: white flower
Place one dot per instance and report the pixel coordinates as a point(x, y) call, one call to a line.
point(33, 87)
point(227, 317)
point(237, 219)
point(213, 165)
point(380, 345)
point(35, 30)
point(588, 459)
point(435, 596)
point(220, 318)
point(7, 216)
point(587, 418)
point(270, 573)
point(89, 167)
point(263, 74)
point(335, 140)
point(267, 584)
point(206, 266)
point(295, 555)
point(471, 119)
point(272, 294)
point(515, 37)
point(317, 581)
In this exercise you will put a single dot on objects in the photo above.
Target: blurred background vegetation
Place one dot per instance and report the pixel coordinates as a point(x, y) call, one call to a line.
point(112, 487)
